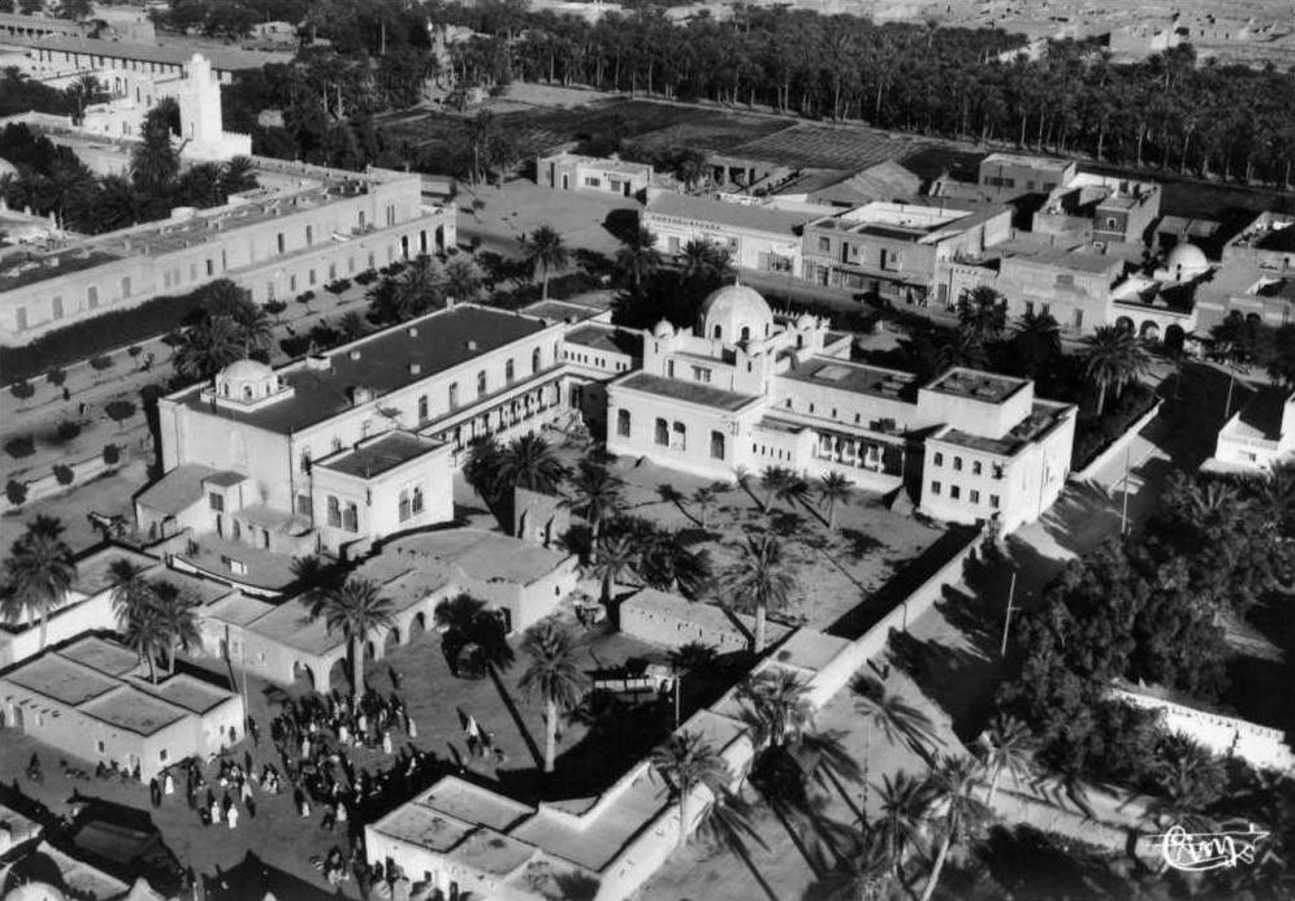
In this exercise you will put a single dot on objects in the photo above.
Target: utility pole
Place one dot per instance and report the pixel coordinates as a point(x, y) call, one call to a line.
point(1007, 619)
point(1227, 408)
point(677, 676)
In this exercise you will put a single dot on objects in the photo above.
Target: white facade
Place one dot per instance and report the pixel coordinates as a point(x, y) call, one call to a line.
point(743, 393)
point(1257, 437)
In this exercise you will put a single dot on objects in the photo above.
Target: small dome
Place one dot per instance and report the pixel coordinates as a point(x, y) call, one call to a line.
point(7, 168)
point(804, 321)
point(35, 891)
point(736, 313)
point(246, 371)
point(663, 329)
point(1186, 261)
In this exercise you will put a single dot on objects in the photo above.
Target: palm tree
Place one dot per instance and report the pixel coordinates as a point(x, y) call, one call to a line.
point(118, 203)
point(237, 175)
point(529, 462)
point(698, 259)
point(463, 279)
point(704, 499)
point(774, 480)
point(668, 562)
point(616, 559)
point(760, 580)
point(419, 288)
point(208, 347)
point(146, 634)
point(834, 489)
point(1112, 358)
point(780, 709)
point(354, 609)
point(466, 624)
point(1006, 747)
point(596, 495)
point(862, 872)
point(38, 573)
point(154, 163)
point(130, 593)
point(252, 324)
point(553, 677)
point(898, 720)
point(983, 312)
point(905, 805)
point(485, 457)
point(686, 761)
point(1037, 342)
point(545, 251)
point(951, 784)
point(177, 610)
point(638, 257)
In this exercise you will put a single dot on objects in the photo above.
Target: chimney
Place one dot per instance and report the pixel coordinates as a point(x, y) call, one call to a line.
point(319, 362)
point(415, 368)
point(360, 395)
point(412, 331)
point(354, 354)
point(472, 344)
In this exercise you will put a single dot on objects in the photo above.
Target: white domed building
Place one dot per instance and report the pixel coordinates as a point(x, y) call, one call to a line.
point(747, 390)
point(1185, 263)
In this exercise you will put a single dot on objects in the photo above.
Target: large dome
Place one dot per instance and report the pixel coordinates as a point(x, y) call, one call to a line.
point(736, 313)
point(1186, 262)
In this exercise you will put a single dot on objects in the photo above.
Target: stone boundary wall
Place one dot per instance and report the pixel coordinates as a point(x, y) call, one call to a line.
point(1226, 736)
point(1118, 445)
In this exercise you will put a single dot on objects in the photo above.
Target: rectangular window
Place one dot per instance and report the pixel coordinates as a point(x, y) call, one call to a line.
point(938, 459)
point(975, 467)
point(975, 496)
point(717, 445)
point(454, 395)
point(623, 423)
point(57, 307)
point(993, 501)
point(403, 511)
point(661, 433)
point(669, 368)
point(481, 383)
point(678, 437)
point(1065, 280)
point(1029, 308)
point(310, 235)
point(422, 408)
point(591, 182)
point(998, 470)
point(216, 501)
point(92, 296)
point(935, 487)
point(292, 283)
point(957, 464)
point(303, 505)
point(20, 315)
point(211, 267)
point(125, 286)
point(672, 244)
point(824, 245)
point(509, 372)
point(334, 512)
point(351, 518)
point(1079, 318)
point(955, 492)
point(701, 374)
point(311, 275)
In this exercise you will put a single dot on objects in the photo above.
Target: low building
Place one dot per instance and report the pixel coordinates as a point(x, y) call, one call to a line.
point(741, 392)
point(570, 172)
point(671, 621)
point(1268, 241)
point(93, 700)
point(1099, 209)
point(54, 55)
point(896, 251)
point(1015, 173)
point(1246, 289)
point(520, 582)
point(1257, 437)
point(758, 236)
point(342, 449)
point(885, 181)
point(1075, 287)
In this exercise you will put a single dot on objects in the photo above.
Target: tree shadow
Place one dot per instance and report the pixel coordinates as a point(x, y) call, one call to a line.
point(859, 544)
point(1027, 863)
point(944, 674)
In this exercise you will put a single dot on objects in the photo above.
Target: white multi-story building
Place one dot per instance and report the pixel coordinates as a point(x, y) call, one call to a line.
point(743, 393)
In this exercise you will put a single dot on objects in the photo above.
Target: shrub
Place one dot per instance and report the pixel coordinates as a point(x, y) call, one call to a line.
point(306, 297)
point(111, 454)
point(20, 446)
point(296, 346)
point(16, 492)
point(119, 410)
point(275, 308)
point(338, 286)
point(56, 377)
point(173, 339)
point(63, 474)
point(134, 350)
point(367, 277)
point(22, 390)
point(101, 362)
point(66, 431)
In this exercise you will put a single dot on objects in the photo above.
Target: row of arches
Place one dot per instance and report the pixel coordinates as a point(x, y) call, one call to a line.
point(1149, 330)
point(310, 677)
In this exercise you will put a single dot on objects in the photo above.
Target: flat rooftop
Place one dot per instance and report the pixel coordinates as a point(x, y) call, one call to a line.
point(607, 338)
point(1020, 159)
point(381, 455)
point(18, 269)
point(973, 384)
point(61, 679)
point(1261, 417)
point(93, 571)
point(105, 656)
point(857, 378)
point(192, 694)
point(131, 709)
point(561, 310)
point(605, 163)
point(722, 212)
point(478, 554)
point(690, 392)
point(438, 342)
point(473, 804)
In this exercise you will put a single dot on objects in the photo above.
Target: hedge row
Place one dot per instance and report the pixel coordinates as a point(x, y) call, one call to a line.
point(91, 337)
